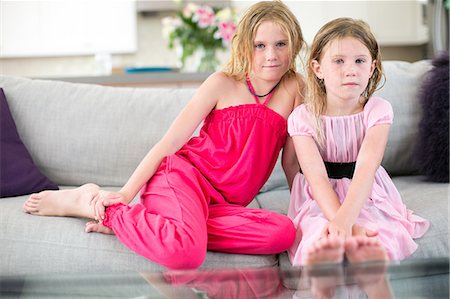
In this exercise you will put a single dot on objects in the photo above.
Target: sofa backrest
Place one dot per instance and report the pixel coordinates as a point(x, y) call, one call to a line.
point(401, 89)
point(79, 133)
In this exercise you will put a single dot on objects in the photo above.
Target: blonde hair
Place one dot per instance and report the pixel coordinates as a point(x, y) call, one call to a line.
point(333, 30)
point(242, 46)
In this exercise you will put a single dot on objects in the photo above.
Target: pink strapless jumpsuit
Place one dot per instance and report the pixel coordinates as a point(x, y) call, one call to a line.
point(196, 201)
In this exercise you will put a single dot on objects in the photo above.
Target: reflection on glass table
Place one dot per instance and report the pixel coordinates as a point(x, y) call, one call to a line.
point(426, 278)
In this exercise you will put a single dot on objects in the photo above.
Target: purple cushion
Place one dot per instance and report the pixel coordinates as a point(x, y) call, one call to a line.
point(433, 142)
point(18, 173)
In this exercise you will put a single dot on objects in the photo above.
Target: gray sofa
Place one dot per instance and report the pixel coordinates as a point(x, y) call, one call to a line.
point(79, 133)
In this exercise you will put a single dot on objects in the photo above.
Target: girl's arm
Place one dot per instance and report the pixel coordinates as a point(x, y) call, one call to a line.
point(369, 159)
point(289, 161)
point(201, 104)
point(182, 128)
point(315, 172)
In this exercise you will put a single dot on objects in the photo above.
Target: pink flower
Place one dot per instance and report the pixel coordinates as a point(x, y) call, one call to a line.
point(226, 31)
point(204, 16)
point(189, 9)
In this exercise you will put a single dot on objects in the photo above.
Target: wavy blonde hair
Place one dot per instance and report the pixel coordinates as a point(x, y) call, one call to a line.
point(316, 98)
point(242, 46)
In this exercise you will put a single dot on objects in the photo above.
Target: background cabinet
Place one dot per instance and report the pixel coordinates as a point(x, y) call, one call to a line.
point(62, 28)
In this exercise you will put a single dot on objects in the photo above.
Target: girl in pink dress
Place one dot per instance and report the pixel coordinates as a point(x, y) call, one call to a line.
point(343, 198)
point(194, 191)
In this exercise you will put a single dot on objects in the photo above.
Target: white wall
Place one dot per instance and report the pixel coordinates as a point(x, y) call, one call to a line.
point(393, 22)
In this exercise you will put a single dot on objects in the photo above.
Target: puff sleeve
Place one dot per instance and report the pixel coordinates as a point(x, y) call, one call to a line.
point(299, 122)
point(378, 112)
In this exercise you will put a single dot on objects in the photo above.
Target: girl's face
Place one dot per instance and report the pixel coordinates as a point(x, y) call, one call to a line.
point(271, 59)
point(346, 67)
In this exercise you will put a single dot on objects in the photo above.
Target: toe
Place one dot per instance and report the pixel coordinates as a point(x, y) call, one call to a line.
point(350, 245)
point(29, 207)
point(89, 228)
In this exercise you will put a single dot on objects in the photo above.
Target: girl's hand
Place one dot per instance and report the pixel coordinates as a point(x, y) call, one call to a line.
point(105, 199)
point(358, 230)
point(334, 228)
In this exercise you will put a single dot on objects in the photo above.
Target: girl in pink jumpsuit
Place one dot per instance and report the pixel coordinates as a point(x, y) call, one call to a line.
point(194, 192)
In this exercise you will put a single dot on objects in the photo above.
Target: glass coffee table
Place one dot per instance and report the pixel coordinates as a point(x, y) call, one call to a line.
point(428, 278)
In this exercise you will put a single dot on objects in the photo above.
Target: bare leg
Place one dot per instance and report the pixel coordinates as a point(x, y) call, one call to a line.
point(74, 202)
point(370, 277)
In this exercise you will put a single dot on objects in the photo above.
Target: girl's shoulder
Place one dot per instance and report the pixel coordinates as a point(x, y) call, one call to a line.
point(219, 78)
point(301, 109)
point(301, 122)
point(218, 83)
point(376, 102)
point(378, 111)
point(301, 113)
point(295, 86)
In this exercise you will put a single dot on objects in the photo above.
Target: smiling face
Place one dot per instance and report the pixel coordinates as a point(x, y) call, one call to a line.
point(346, 67)
point(271, 57)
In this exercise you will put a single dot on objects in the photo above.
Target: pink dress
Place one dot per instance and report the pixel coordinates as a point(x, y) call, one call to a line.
point(197, 198)
point(383, 211)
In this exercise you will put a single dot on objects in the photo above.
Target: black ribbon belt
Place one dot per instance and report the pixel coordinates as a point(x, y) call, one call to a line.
point(337, 170)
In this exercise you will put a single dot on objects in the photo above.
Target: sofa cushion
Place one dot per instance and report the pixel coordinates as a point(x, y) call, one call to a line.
point(39, 245)
point(18, 174)
point(276, 200)
point(431, 201)
point(401, 89)
point(106, 131)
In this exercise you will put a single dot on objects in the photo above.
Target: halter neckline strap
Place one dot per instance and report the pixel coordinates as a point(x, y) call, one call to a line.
point(256, 96)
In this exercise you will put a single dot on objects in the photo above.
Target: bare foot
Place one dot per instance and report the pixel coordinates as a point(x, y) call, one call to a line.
point(327, 252)
point(364, 249)
point(94, 226)
point(371, 277)
point(73, 202)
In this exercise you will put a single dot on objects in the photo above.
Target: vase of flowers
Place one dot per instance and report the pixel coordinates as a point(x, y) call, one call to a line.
point(200, 31)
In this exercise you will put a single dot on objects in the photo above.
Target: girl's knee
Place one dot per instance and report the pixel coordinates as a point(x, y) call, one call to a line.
point(283, 236)
point(186, 258)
